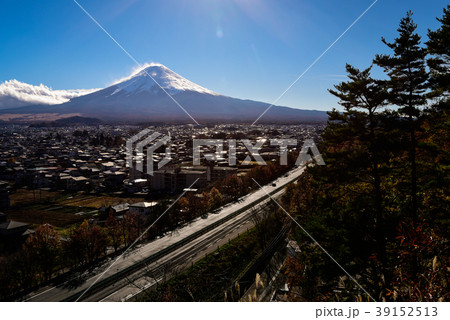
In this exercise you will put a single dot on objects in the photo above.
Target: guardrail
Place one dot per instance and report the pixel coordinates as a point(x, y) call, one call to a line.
point(138, 265)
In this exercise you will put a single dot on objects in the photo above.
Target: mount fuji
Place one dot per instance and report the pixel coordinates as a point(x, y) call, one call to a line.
point(144, 96)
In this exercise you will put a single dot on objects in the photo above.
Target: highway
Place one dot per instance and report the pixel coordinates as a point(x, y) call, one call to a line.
point(125, 287)
point(174, 262)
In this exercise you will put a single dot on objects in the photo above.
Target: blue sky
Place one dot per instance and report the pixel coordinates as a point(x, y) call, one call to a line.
point(251, 49)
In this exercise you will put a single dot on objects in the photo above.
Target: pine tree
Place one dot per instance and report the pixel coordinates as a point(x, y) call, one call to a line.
point(437, 125)
point(438, 47)
point(407, 85)
point(362, 92)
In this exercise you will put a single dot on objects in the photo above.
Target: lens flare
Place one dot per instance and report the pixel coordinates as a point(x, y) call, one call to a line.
point(219, 32)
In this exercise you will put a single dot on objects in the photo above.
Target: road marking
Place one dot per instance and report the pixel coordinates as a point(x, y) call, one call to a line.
point(148, 285)
point(109, 296)
point(37, 295)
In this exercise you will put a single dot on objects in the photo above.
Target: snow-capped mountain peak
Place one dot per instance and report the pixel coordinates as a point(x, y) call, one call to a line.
point(138, 98)
point(152, 77)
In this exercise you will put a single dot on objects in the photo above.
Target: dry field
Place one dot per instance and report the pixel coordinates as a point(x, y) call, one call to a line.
point(97, 202)
point(24, 196)
point(39, 216)
point(40, 207)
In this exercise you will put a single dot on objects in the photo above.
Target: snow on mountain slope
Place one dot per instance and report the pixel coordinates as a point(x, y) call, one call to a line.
point(14, 94)
point(138, 98)
point(141, 81)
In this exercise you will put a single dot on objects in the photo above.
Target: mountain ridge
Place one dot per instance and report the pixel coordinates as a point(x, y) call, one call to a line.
point(138, 98)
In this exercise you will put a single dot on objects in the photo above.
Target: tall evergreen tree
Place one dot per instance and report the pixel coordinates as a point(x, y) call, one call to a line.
point(438, 47)
point(437, 125)
point(364, 93)
point(407, 83)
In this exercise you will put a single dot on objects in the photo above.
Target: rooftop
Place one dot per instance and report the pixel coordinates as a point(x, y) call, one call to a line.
point(10, 225)
point(144, 204)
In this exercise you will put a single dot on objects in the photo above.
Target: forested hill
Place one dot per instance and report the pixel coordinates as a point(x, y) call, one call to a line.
point(381, 204)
